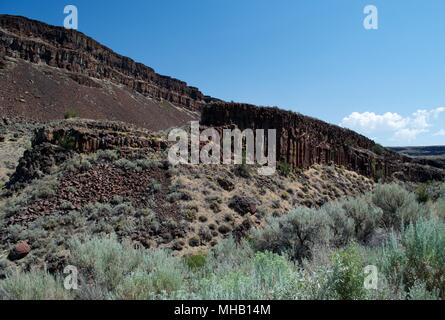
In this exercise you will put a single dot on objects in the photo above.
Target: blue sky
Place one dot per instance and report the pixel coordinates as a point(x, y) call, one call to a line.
point(310, 56)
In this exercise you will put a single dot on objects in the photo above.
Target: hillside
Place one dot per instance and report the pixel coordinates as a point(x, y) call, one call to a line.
point(428, 151)
point(98, 194)
point(46, 71)
point(82, 168)
point(96, 190)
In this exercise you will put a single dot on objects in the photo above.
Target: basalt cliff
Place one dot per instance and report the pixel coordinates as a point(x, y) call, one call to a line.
point(303, 141)
point(48, 70)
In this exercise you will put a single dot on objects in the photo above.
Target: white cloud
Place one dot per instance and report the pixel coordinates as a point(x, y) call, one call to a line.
point(371, 121)
point(402, 128)
point(407, 134)
point(440, 133)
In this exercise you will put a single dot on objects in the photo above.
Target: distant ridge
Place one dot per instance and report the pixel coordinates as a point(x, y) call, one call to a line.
point(424, 151)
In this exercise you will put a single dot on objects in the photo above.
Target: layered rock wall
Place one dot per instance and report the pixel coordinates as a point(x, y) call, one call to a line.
point(55, 144)
point(71, 50)
point(303, 141)
point(94, 136)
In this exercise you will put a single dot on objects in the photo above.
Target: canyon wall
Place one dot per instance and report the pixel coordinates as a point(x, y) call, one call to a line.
point(73, 51)
point(303, 141)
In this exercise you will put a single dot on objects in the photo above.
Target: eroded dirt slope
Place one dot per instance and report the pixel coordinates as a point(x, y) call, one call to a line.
point(41, 92)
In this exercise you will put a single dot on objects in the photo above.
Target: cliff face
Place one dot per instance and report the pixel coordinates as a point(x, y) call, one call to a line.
point(73, 51)
point(303, 141)
point(47, 70)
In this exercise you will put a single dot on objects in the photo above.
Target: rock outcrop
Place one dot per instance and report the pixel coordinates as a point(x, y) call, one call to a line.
point(37, 162)
point(303, 141)
point(73, 51)
point(91, 136)
point(55, 144)
point(19, 251)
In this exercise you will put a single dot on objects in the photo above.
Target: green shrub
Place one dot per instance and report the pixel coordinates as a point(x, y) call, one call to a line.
point(135, 287)
point(347, 277)
point(366, 217)
point(342, 226)
point(430, 191)
point(419, 292)
point(295, 234)
point(84, 165)
point(177, 196)
point(145, 164)
point(67, 142)
point(154, 186)
point(352, 219)
point(264, 276)
point(73, 164)
point(135, 165)
point(69, 114)
point(66, 205)
point(13, 205)
point(123, 209)
point(97, 210)
point(284, 168)
point(378, 149)
point(33, 285)
point(43, 189)
point(105, 260)
point(167, 278)
point(419, 255)
point(228, 254)
point(126, 164)
point(439, 209)
point(108, 155)
point(398, 205)
point(123, 272)
point(422, 193)
point(117, 200)
point(196, 261)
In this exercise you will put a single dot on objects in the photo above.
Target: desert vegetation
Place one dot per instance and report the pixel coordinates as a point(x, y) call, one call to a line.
point(307, 253)
point(97, 203)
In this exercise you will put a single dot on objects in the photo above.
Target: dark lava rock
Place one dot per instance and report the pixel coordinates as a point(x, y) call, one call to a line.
point(178, 245)
point(243, 205)
point(194, 242)
point(224, 229)
point(226, 184)
point(240, 231)
point(36, 161)
point(20, 250)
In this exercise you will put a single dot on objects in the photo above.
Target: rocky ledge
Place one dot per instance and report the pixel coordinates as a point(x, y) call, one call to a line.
point(55, 143)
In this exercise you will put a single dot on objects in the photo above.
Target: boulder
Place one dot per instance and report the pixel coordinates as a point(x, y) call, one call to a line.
point(243, 205)
point(226, 184)
point(19, 251)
